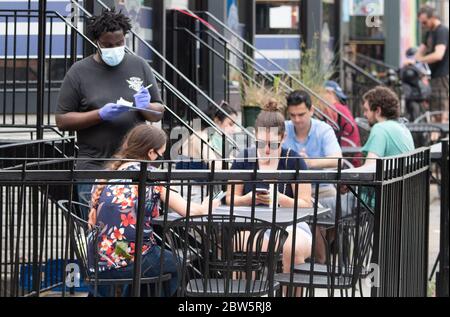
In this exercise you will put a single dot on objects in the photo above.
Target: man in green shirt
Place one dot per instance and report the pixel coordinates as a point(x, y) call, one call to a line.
point(388, 137)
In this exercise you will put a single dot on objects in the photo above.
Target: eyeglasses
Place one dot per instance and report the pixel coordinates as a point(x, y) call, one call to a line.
point(272, 145)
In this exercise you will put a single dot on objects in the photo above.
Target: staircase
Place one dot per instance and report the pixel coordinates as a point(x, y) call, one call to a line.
point(207, 36)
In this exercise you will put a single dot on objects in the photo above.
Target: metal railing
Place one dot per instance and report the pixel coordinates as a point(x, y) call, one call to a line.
point(135, 37)
point(442, 277)
point(401, 225)
point(376, 68)
point(33, 235)
point(356, 83)
point(19, 69)
point(12, 114)
point(257, 68)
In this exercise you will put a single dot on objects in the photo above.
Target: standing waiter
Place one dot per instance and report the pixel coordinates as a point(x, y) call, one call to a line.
point(92, 97)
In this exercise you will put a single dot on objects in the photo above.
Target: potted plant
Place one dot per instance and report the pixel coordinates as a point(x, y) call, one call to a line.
point(253, 95)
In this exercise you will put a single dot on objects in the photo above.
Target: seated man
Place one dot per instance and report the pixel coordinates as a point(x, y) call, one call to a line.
point(387, 137)
point(309, 137)
point(315, 141)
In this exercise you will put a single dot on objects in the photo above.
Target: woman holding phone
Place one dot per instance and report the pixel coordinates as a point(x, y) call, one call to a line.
point(270, 156)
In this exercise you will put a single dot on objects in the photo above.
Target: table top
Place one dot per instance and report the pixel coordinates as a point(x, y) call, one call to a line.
point(428, 127)
point(436, 151)
point(284, 216)
point(351, 150)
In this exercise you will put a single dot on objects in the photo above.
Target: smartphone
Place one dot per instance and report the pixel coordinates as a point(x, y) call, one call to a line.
point(262, 191)
point(220, 195)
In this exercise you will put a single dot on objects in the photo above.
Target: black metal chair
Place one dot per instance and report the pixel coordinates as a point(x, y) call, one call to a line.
point(232, 258)
point(346, 266)
point(81, 235)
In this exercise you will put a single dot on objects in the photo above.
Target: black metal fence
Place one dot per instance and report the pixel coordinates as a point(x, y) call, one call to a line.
point(442, 277)
point(384, 234)
point(401, 226)
point(356, 83)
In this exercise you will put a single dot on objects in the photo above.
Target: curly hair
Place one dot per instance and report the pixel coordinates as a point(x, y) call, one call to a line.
point(108, 21)
point(384, 98)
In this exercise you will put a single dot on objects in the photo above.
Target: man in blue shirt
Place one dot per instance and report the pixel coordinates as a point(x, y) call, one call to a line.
point(316, 142)
point(313, 139)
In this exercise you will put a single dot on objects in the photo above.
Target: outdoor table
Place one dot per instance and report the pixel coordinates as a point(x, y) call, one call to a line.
point(284, 216)
point(428, 127)
point(436, 152)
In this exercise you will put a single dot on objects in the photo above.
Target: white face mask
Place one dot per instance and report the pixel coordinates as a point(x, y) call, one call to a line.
point(112, 56)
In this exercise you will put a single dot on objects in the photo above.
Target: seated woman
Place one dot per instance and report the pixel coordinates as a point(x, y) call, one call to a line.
point(197, 155)
point(193, 148)
point(114, 210)
point(270, 133)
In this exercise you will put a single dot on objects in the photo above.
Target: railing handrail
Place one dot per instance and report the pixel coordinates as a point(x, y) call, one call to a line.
point(173, 90)
point(287, 88)
point(362, 72)
point(375, 61)
point(43, 141)
point(179, 73)
point(285, 73)
point(235, 67)
point(408, 167)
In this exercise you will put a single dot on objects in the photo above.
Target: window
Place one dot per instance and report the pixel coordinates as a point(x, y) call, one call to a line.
point(277, 17)
point(360, 13)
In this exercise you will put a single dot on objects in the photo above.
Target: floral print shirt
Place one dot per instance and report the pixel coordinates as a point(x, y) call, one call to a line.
point(117, 217)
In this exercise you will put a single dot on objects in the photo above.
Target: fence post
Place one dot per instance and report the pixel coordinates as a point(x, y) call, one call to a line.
point(41, 70)
point(442, 277)
point(136, 290)
point(379, 176)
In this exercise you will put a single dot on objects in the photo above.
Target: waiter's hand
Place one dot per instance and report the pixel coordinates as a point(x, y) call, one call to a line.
point(111, 111)
point(142, 98)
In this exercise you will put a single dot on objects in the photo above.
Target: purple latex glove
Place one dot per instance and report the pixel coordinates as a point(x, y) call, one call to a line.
point(142, 98)
point(111, 111)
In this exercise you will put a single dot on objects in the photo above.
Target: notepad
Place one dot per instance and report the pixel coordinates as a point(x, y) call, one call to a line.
point(130, 105)
point(123, 102)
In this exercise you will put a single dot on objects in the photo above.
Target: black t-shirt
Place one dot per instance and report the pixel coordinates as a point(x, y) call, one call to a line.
point(246, 161)
point(90, 85)
point(432, 39)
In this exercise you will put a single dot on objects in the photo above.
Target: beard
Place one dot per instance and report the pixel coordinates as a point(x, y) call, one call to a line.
point(372, 122)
